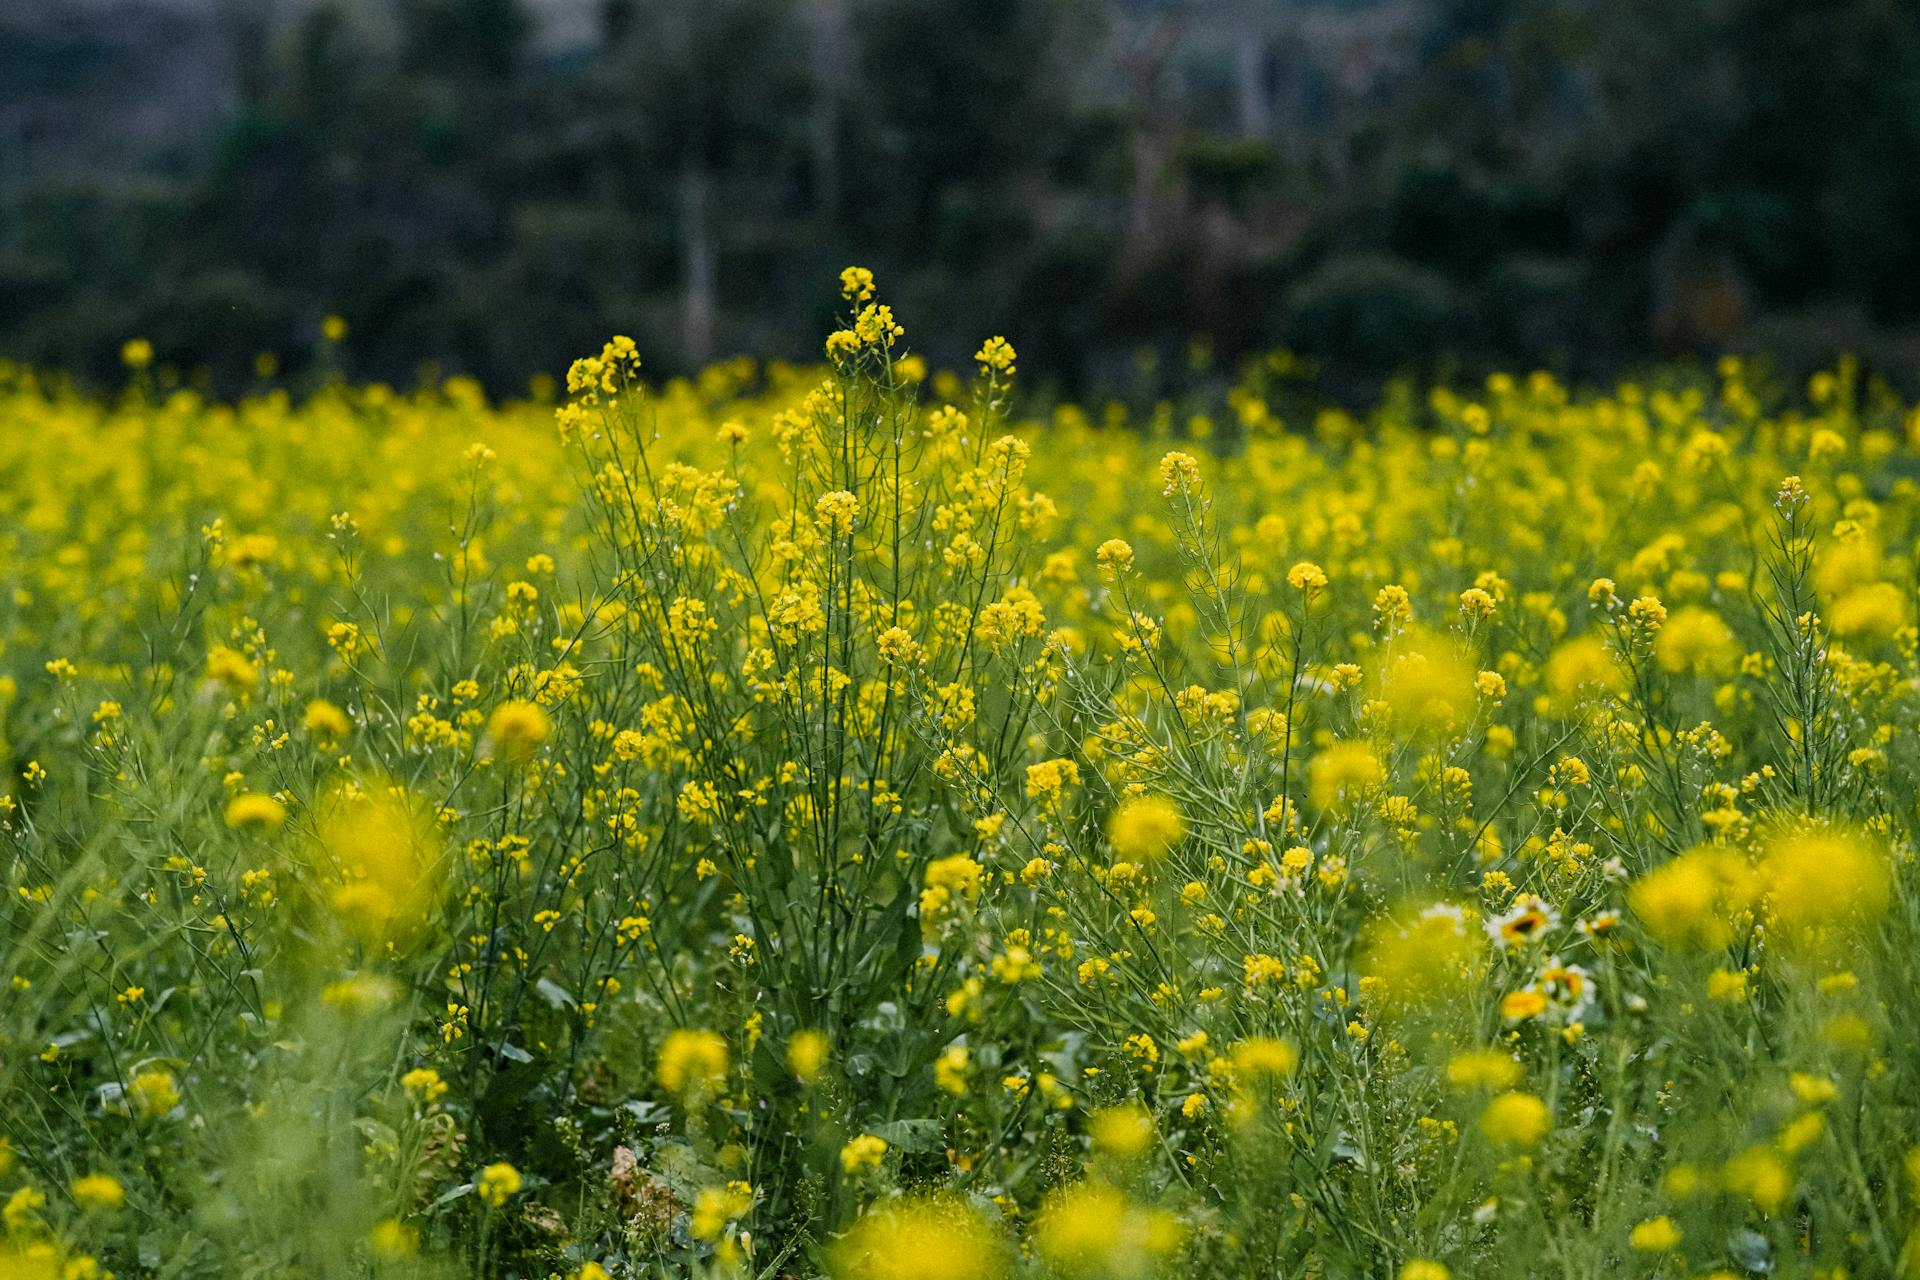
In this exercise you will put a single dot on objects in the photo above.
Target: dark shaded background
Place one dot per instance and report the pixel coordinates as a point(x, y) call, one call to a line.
point(493, 186)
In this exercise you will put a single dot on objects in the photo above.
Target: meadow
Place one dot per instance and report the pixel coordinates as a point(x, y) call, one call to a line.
point(824, 821)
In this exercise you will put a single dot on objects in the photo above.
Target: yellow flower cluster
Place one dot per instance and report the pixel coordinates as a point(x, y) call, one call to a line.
point(754, 828)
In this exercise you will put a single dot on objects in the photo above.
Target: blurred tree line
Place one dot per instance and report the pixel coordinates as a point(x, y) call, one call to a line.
point(1384, 185)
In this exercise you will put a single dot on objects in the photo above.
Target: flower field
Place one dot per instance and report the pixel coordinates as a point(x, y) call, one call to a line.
point(838, 822)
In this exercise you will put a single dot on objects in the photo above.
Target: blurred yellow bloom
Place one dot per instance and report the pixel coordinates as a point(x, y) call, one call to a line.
point(1428, 683)
point(252, 809)
point(1582, 666)
point(807, 1055)
point(1126, 1130)
point(1655, 1235)
point(1517, 1120)
point(1413, 962)
point(1093, 1229)
point(1761, 1176)
point(714, 1208)
point(862, 1154)
point(1483, 1069)
point(1144, 828)
point(918, 1239)
point(1823, 883)
point(393, 1238)
point(382, 849)
point(517, 728)
point(96, 1191)
point(1342, 773)
point(323, 719)
point(1696, 640)
point(153, 1094)
point(691, 1061)
point(497, 1184)
point(1691, 899)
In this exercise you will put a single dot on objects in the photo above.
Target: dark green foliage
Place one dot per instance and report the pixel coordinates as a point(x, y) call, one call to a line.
point(1388, 185)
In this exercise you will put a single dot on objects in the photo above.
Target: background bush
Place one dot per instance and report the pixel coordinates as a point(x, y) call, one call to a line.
point(488, 186)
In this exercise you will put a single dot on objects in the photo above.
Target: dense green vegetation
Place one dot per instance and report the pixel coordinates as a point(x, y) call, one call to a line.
point(1379, 184)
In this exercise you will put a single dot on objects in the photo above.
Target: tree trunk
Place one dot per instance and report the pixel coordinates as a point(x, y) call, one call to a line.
point(697, 266)
point(830, 93)
point(1250, 81)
